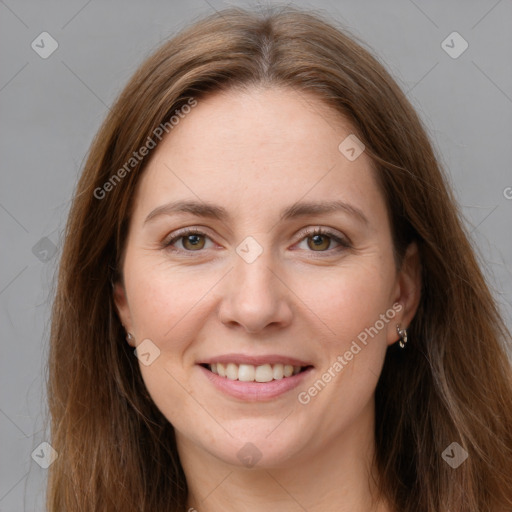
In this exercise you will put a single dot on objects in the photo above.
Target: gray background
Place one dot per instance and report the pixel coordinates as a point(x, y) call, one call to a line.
point(51, 108)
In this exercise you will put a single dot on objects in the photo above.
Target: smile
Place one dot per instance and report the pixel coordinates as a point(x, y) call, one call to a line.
point(255, 378)
point(251, 373)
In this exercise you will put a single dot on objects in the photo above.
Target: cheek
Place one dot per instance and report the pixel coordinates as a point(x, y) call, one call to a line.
point(356, 312)
point(349, 300)
point(168, 305)
point(165, 304)
point(164, 300)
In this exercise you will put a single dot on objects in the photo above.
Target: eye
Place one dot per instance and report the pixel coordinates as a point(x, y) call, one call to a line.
point(193, 240)
point(319, 239)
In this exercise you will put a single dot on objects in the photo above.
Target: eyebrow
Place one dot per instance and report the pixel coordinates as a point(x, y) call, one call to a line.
point(300, 209)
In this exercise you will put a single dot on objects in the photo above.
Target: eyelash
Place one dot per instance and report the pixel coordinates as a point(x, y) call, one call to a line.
point(308, 233)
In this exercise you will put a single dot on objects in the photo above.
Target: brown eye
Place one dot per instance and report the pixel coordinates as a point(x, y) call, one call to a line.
point(193, 242)
point(319, 242)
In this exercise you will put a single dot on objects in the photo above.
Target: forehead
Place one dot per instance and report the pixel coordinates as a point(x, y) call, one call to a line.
point(263, 146)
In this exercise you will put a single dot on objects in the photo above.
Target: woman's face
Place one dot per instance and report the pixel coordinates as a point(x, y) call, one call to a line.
point(252, 290)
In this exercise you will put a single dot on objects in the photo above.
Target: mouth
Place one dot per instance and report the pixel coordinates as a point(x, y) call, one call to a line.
point(255, 373)
point(255, 378)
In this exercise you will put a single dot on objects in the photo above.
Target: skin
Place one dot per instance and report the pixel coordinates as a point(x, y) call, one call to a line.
point(255, 153)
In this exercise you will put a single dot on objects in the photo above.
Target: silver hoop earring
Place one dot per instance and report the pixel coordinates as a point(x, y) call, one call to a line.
point(402, 333)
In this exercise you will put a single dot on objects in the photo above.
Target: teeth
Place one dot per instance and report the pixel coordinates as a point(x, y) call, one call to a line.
point(264, 373)
point(277, 371)
point(246, 372)
point(232, 371)
point(251, 373)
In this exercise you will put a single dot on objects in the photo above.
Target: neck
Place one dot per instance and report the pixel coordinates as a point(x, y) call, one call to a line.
point(339, 477)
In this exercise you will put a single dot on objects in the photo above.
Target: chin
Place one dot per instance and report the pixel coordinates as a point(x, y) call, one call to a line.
point(258, 446)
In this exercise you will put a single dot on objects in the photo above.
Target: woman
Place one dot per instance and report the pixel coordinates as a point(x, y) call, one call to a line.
point(266, 298)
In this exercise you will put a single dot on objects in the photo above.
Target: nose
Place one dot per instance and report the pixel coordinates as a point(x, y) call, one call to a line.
point(255, 296)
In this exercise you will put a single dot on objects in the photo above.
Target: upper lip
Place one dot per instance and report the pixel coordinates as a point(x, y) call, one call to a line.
point(255, 360)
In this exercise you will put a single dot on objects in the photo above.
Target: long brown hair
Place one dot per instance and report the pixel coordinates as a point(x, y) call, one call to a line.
point(452, 384)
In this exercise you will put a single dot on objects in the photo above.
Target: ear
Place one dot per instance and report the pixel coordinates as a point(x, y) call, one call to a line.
point(122, 307)
point(407, 292)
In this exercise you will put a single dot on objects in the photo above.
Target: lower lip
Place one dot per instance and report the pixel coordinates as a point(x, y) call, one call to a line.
point(255, 391)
